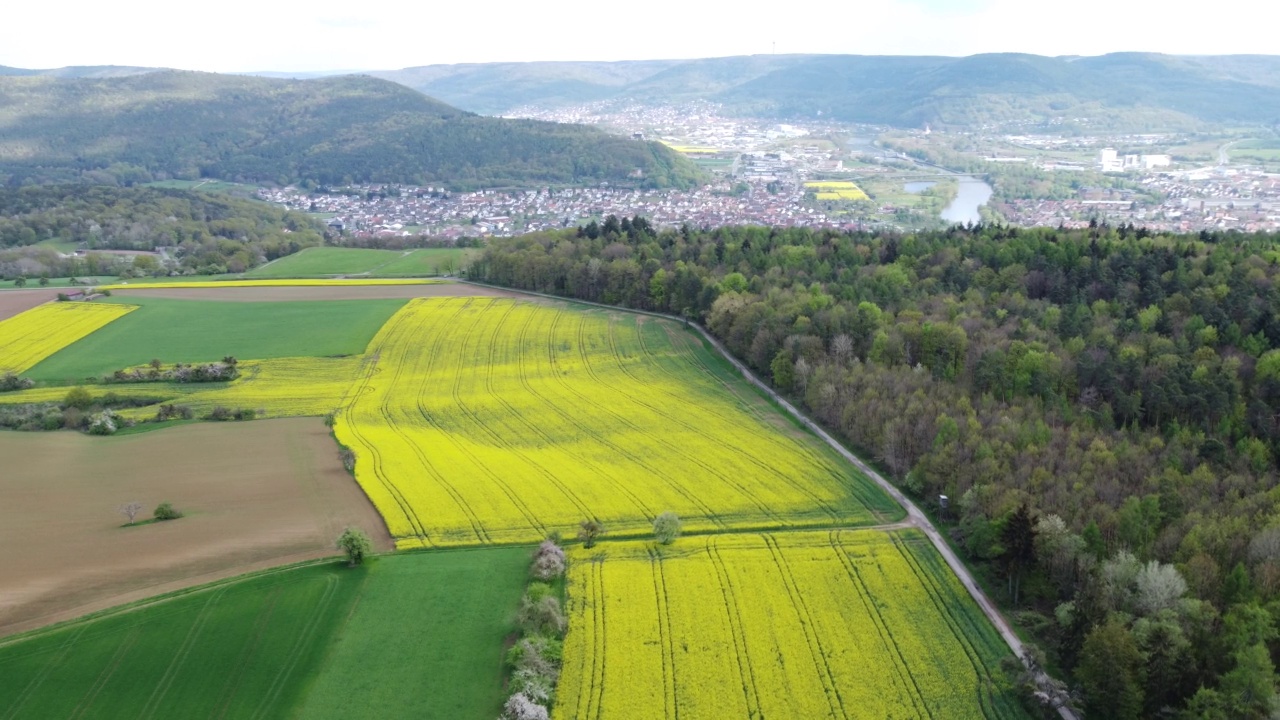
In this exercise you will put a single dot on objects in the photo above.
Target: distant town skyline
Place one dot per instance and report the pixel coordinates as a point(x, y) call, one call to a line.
point(326, 35)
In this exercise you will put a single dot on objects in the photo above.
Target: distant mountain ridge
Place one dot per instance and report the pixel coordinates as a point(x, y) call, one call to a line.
point(79, 71)
point(328, 130)
point(1135, 91)
point(1132, 89)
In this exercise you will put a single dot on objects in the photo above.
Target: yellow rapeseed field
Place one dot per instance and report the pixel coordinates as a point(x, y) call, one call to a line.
point(838, 624)
point(836, 190)
point(483, 420)
point(281, 387)
point(34, 335)
point(144, 285)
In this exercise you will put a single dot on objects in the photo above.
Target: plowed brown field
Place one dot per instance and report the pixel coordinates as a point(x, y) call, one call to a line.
point(256, 495)
point(13, 302)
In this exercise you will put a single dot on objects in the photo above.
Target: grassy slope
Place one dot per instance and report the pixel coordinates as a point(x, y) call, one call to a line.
point(196, 331)
point(345, 261)
point(416, 635)
point(427, 261)
point(426, 640)
point(325, 261)
point(244, 649)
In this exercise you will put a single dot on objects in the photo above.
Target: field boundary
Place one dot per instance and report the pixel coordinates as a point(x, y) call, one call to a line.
point(915, 517)
point(166, 597)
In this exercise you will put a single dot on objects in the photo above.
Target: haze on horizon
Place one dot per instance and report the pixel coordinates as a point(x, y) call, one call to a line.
point(322, 35)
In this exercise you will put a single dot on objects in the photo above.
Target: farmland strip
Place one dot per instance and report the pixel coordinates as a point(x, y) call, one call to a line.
point(586, 362)
point(58, 658)
point(955, 625)
point(900, 666)
point(806, 620)
point(180, 657)
point(750, 689)
point(498, 439)
point(568, 418)
point(745, 451)
point(457, 399)
point(693, 499)
point(260, 625)
point(104, 677)
point(295, 653)
point(672, 709)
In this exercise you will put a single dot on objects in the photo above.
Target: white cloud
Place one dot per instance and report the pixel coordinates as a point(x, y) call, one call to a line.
point(244, 35)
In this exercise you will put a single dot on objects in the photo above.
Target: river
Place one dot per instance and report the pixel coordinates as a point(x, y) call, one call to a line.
point(973, 194)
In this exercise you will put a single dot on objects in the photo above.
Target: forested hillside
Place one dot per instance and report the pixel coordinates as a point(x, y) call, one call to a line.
point(1101, 406)
point(187, 125)
point(207, 233)
point(1117, 91)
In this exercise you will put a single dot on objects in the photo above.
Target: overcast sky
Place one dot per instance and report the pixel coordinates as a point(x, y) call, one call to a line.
point(289, 35)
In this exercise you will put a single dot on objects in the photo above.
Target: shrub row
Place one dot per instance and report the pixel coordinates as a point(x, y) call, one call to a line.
point(535, 660)
point(10, 382)
point(224, 371)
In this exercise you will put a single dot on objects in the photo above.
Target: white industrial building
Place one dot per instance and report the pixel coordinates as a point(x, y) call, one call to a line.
point(1111, 161)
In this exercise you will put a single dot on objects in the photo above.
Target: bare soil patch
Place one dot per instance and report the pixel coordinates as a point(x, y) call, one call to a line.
point(13, 302)
point(255, 494)
point(352, 292)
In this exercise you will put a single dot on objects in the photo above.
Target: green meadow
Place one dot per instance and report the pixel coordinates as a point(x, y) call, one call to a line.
point(203, 330)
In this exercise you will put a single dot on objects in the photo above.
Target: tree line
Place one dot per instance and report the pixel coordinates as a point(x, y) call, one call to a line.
point(1102, 407)
point(208, 233)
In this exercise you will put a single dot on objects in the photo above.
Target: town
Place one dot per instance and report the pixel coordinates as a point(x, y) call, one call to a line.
point(768, 173)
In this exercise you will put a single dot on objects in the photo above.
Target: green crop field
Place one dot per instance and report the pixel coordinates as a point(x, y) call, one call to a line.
point(417, 635)
point(427, 639)
point(242, 649)
point(428, 261)
point(325, 261)
point(314, 262)
point(200, 331)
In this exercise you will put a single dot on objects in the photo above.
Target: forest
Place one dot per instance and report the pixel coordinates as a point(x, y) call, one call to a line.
point(343, 130)
point(207, 233)
point(1101, 407)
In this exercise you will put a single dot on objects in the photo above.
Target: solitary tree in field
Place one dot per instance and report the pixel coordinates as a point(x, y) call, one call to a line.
point(356, 544)
point(21, 281)
point(131, 510)
point(666, 528)
point(588, 531)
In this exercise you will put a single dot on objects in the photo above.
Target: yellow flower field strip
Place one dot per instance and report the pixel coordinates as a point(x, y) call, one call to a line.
point(803, 624)
point(831, 185)
point(344, 282)
point(842, 195)
point(167, 391)
point(493, 420)
point(281, 387)
point(34, 335)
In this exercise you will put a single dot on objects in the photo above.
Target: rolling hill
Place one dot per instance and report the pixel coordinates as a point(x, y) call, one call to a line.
point(328, 130)
point(1132, 90)
point(78, 71)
